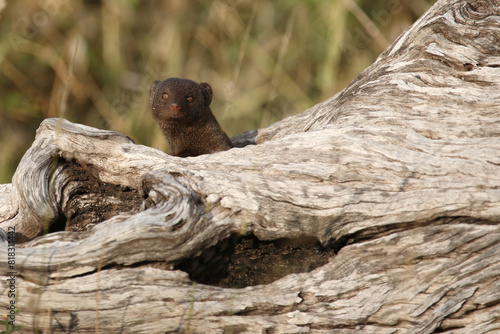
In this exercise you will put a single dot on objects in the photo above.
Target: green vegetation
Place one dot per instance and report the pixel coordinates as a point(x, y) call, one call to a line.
point(6, 327)
point(92, 61)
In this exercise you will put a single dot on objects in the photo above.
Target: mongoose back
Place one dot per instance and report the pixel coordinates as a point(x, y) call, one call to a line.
point(181, 108)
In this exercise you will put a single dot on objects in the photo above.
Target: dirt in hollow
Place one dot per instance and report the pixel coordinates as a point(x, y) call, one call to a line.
point(90, 201)
point(247, 261)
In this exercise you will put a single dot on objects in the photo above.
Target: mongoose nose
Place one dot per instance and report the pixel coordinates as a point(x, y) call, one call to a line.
point(175, 107)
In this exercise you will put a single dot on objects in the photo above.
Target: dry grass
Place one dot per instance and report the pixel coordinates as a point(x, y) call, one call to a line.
point(92, 61)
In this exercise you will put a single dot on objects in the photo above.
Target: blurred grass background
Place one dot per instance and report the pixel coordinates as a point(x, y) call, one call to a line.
point(92, 61)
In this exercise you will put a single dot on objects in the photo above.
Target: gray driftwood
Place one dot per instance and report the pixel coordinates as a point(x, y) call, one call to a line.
point(401, 170)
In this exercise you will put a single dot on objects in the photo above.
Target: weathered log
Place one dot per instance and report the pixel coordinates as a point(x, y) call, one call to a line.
point(399, 173)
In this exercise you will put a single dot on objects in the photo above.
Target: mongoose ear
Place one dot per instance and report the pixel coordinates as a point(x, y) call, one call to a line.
point(152, 90)
point(207, 92)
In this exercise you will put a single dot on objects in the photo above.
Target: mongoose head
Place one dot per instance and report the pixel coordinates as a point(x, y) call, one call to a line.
point(179, 100)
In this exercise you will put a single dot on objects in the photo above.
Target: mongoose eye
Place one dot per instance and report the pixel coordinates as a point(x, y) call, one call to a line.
point(190, 99)
point(164, 96)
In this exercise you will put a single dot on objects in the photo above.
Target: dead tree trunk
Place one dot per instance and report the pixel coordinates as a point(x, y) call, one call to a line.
point(397, 176)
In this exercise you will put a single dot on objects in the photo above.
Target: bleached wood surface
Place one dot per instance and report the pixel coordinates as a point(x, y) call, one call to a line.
point(401, 171)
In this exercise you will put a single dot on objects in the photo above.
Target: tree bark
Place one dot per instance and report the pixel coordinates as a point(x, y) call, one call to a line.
point(399, 174)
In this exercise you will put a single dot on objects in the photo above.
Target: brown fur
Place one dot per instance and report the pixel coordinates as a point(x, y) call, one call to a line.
point(181, 108)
